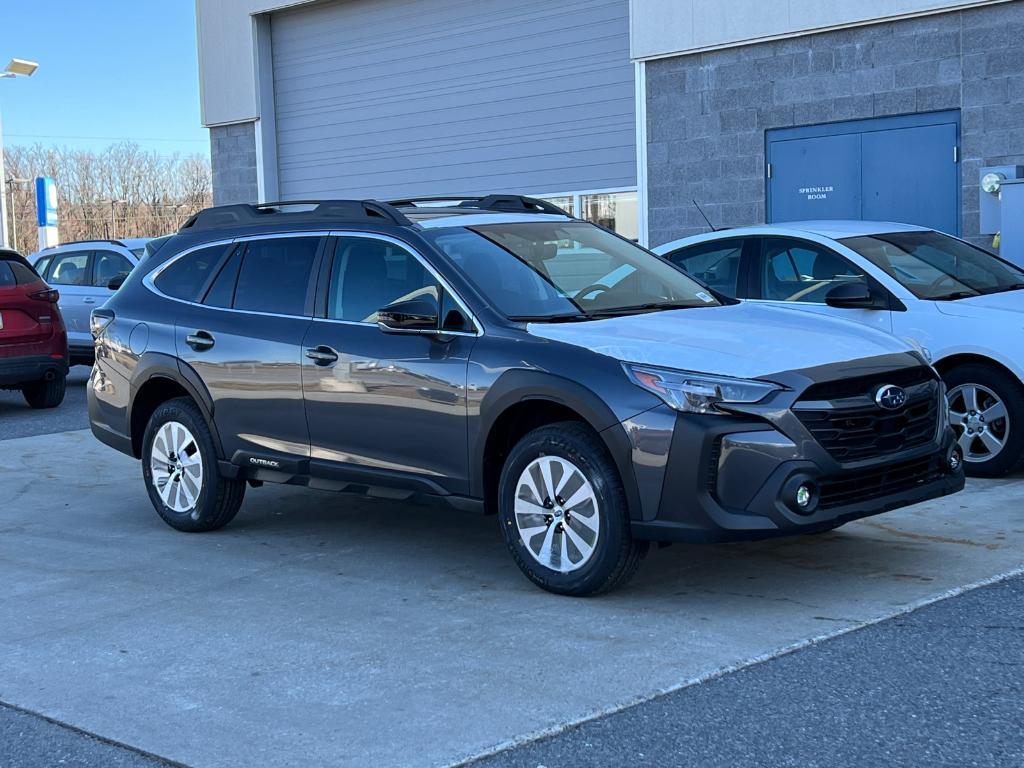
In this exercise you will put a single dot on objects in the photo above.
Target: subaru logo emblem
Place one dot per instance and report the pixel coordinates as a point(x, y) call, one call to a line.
point(891, 397)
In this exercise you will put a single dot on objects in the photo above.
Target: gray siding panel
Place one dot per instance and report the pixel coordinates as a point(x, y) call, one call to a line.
point(405, 97)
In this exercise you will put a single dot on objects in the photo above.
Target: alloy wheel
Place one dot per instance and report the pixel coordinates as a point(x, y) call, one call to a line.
point(981, 421)
point(176, 466)
point(556, 513)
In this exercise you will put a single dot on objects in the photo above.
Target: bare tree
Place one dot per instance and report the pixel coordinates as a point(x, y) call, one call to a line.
point(122, 191)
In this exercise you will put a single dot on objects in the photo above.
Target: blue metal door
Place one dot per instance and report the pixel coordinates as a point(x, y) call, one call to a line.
point(890, 169)
point(815, 178)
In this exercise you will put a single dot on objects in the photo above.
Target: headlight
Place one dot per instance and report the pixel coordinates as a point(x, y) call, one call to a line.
point(698, 392)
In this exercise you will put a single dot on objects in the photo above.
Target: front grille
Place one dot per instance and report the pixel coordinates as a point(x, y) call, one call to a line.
point(852, 487)
point(845, 420)
point(865, 386)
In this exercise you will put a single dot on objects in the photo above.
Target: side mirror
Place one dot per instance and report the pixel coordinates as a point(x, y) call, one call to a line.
point(852, 296)
point(117, 281)
point(419, 315)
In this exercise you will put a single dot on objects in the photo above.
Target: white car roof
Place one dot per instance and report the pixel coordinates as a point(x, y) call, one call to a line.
point(835, 229)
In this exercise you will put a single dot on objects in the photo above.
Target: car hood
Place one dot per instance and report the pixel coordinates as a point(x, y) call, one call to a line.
point(741, 340)
point(982, 306)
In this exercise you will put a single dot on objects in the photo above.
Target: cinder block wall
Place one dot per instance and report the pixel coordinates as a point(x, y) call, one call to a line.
point(233, 160)
point(708, 112)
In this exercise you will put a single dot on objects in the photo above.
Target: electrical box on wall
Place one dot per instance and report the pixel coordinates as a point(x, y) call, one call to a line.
point(989, 180)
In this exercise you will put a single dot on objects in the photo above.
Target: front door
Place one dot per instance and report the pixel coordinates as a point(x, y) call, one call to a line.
point(799, 274)
point(388, 405)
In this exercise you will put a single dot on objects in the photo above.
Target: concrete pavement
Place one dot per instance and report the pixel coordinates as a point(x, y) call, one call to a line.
point(323, 629)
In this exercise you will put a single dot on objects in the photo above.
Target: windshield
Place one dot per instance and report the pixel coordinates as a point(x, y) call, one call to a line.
point(554, 270)
point(935, 266)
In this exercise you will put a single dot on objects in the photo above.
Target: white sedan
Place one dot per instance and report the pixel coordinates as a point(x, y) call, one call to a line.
point(961, 303)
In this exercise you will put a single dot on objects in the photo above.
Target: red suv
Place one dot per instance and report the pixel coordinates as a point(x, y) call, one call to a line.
point(33, 341)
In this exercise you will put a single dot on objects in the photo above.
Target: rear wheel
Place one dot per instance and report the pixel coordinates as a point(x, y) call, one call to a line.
point(986, 410)
point(563, 512)
point(47, 393)
point(179, 464)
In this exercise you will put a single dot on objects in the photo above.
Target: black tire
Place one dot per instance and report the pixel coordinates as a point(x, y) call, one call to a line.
point(45, 394)
point(616, 555)
point(219, 498)
point(1008, 389)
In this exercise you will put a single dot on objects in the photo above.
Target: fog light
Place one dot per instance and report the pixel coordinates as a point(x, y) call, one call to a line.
point(955, 459)
point(803, 496)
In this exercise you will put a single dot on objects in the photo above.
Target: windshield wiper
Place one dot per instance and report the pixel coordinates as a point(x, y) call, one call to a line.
point(575, 317)
point(1005, 288)
point(637, 309)
point(956, 295)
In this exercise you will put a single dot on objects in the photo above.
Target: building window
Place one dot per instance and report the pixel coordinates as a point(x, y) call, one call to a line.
point(616, 210)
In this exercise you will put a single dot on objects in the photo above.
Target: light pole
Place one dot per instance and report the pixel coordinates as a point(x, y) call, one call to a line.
point(16, 68)
point(14, 213)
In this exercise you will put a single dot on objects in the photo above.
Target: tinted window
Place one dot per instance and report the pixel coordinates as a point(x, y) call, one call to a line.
point(185, 278)
point(106, 265)
point(793, 270)
point(367, 275)
point(935, 266)
point(222, 292)
point(69, 268)
point(22, 272)
point(274, 276)
point(716, 263)
point(7, 277)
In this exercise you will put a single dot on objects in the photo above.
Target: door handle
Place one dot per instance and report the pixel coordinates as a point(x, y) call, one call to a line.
point(199, 341)
point(322, 355)
point(88, 300)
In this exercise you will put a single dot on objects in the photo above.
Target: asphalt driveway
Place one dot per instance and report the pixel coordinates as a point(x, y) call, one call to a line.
point(321, 629)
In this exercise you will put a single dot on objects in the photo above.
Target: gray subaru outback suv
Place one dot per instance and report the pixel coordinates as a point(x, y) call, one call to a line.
point(501, 355)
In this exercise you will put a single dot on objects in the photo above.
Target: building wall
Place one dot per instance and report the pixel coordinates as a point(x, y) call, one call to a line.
point(233, 157)
point(708, 112)
point(666, 27)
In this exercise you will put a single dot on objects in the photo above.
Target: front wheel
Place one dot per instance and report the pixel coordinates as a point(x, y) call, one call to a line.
point(986, 410)
point(179, 465)
point(563, 512)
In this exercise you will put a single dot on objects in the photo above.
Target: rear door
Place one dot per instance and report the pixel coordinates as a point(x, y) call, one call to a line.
point(69, 273)
point(242, 333)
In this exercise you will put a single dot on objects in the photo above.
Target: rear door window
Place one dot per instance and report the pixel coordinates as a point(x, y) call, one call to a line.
point(222, 291)
point(71, 268)
point(186, 277)
point(274, 275)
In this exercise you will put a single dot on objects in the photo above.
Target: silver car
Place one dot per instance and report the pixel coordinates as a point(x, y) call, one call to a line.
point(86, 273)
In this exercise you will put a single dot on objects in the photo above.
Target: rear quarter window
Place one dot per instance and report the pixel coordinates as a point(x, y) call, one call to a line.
point(186, 277)
point(7, 278)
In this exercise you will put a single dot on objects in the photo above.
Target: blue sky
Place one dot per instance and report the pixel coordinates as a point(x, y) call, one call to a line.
point(109, 69)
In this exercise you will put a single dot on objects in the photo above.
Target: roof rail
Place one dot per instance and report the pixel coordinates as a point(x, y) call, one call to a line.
point(503, 203)
point(359, 211)
point(90, 240)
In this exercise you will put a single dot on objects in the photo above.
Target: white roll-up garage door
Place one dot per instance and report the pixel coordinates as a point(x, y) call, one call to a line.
point(380, 98)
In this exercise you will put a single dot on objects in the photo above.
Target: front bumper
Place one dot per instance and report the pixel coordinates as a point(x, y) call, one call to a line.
point(732, 479)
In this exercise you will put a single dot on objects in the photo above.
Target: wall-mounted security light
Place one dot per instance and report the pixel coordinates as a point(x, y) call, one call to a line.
point(991, 182)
